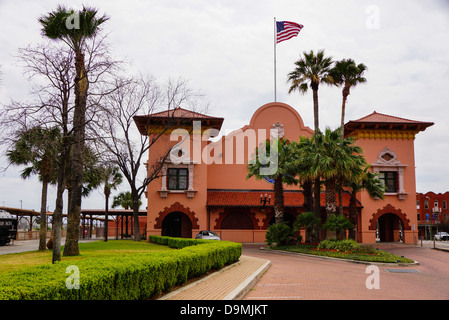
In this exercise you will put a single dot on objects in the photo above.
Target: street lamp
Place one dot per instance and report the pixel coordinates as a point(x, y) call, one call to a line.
point(264, 199)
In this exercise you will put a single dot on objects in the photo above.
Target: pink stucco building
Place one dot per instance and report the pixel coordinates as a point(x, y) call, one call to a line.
point(204, 185)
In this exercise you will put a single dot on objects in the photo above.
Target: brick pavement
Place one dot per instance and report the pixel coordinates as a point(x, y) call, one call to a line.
point(294, 277)
point(230, 283)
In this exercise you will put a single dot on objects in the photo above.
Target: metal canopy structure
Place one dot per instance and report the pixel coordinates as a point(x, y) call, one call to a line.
point(121, 217)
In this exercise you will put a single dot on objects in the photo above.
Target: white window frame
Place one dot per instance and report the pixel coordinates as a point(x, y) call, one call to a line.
point(391, 165)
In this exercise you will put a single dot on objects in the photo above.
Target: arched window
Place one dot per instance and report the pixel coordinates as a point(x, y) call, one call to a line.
point(237, 220)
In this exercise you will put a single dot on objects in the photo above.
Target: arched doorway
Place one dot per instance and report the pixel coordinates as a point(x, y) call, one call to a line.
point(177, 224)
point(390, 223)
point(389, 228)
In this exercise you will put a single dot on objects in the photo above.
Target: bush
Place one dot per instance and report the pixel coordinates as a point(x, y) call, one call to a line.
point(342, 245)
point(279, 233)
point(132, 277)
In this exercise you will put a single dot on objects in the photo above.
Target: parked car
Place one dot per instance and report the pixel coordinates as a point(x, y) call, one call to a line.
point(207, 235)
point(442, 236)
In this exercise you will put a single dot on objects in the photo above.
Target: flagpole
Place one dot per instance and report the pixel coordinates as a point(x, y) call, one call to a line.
point(275, 32)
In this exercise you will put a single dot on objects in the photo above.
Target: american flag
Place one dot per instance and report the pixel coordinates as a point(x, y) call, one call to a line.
point(287, 30)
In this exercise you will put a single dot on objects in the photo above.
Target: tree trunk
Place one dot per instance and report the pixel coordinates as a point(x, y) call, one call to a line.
point(279, 199)
point(317, 202)
point(81, 86)
point(353, 215)
point(340, 196)
point(106, 217)
point(43, 225)
point(57, 214)
point(317, 182)
point(315, 107)
point(135, 198)
point(343, 111)
point(308, 196)
point(331, 199)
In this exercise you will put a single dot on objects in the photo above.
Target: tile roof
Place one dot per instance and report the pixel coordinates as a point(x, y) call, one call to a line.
point(384, 118)
point(180, 113)
point(382, 121)
point(251, 198)
point(175, 117)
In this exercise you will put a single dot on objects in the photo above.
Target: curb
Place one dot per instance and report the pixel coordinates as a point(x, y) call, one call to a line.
point(239, 292)
point(386, 264)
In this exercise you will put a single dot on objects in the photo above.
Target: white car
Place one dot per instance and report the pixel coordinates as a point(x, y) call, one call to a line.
point(442, 236)
point(207, 235)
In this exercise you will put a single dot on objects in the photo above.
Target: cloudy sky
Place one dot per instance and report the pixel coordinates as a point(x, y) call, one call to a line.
point(225, 49)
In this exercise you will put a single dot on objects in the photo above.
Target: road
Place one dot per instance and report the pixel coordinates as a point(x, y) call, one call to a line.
point(294, 277)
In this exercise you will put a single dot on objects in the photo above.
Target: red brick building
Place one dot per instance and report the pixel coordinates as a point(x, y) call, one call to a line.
point(433, 213)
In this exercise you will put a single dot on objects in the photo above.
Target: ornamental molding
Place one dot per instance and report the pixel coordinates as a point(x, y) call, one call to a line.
point(389, 209)
point(385, 134)
point(176, 207)
point(387, 158)
point(279, 128)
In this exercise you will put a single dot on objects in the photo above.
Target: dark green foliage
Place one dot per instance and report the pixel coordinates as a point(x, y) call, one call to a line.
point(342, 245)
point(131, 277)
point(338, 223)
point(278, 233)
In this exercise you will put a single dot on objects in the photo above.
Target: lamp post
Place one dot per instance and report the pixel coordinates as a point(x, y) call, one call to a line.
point(264, 199)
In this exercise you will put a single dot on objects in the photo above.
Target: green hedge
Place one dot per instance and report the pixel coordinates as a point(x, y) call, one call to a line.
point(126, 278)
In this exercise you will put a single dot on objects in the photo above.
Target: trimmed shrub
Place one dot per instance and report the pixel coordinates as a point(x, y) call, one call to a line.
point(134, 277)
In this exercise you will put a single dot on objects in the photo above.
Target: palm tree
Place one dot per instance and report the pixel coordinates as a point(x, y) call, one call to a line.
point(309, 222)
point(37, 148)
point(348, 74)
point(337, 160)
point(312, 70)
point(112, 178)
point(124, 200)
point(274, 162)
point(327, 157)
point(74, 28)
point(365, 180)
point(338, 223)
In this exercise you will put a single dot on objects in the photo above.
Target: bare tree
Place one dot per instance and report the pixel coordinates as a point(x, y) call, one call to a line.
point(51, 72)
point(118, 135)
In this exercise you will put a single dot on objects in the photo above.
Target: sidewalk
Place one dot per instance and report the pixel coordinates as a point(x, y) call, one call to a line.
point(230, 283)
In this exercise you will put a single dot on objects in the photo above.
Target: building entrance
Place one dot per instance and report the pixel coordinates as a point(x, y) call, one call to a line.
point(177, 224)
point(389, 228)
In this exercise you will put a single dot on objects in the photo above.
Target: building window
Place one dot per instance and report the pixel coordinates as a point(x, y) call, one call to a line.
point(177, 179)
point(419, 217)
point(391, 171)
point(389, 179)
point(435, 204)
point(444, 204)
point(417, 205)
point(426, 204)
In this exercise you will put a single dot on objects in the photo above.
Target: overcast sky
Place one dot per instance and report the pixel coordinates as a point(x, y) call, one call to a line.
point(225, 49)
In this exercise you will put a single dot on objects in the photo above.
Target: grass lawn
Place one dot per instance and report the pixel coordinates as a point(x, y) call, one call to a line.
point(88, 250)
point(363, 253)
